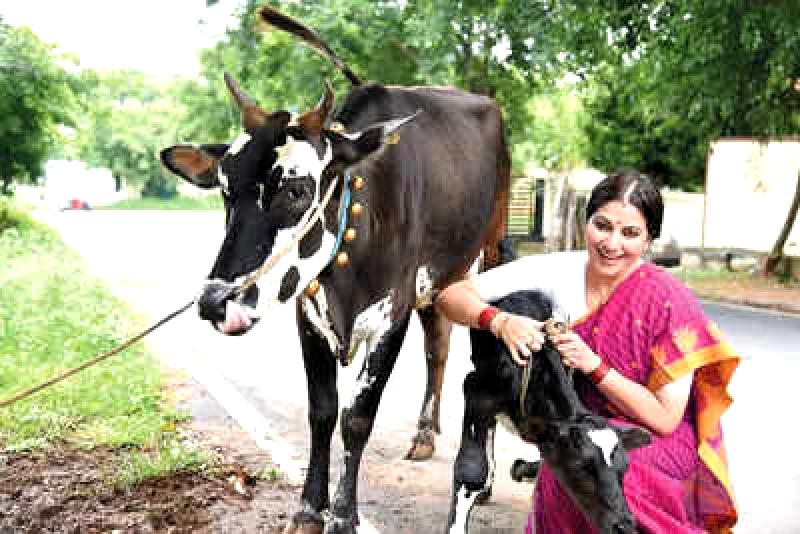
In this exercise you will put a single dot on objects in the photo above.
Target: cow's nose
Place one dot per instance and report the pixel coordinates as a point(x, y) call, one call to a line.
point(211, 304)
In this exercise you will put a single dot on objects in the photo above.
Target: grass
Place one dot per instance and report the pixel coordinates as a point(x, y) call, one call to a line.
point(54, 316)
point(210, 202)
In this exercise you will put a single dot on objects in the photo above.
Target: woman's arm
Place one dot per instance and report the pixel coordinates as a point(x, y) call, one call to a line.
point(461, 303)
point(661, 411)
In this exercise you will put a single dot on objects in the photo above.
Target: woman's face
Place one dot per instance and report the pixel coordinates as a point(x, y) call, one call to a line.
point(616, 238)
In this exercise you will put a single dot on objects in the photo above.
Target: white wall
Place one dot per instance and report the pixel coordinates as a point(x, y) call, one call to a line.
point(749, 187)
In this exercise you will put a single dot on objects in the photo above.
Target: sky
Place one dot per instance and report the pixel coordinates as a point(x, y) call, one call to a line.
point(160, 37)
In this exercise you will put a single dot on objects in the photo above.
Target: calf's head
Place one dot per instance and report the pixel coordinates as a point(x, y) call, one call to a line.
point(589, 458)
point(272, 179)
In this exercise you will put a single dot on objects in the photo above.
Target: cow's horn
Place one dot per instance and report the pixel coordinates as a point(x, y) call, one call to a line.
point(315, 119)
point(253, 116)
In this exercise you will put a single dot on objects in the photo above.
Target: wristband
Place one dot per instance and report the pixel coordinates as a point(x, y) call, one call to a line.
point(599, 372)
point(486, 316)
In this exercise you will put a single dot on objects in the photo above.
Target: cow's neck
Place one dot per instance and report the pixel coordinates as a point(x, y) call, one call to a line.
point(355, 292)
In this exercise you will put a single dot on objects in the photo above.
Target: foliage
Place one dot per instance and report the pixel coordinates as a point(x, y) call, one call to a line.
point(670, 76)
point(483, 47)
point(54, 316)
point(36, 96)
point(127, 119)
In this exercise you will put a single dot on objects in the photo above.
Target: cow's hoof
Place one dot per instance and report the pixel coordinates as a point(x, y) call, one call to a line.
point(305, 523)
point(422, 446)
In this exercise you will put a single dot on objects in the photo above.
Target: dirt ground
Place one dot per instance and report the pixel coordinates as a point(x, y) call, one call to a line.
point(67, 490)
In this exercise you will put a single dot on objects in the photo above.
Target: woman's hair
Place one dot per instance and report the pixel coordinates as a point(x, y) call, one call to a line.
point(634, 188)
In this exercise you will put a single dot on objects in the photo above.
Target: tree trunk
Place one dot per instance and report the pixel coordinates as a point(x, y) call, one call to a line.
point(5, 186)
point(775, 257)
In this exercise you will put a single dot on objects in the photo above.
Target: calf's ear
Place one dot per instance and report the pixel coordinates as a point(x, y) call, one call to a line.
point(196, 165)
point(350, 148)
point(632, 437)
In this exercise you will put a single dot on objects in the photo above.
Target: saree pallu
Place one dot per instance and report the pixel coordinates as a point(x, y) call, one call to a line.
point(653, 331)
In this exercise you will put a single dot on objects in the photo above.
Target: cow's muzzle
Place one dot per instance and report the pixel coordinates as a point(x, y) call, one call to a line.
point(230, 310)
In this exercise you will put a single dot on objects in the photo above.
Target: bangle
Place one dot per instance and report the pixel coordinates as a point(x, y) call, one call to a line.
point(486, 316)
point(599, 372)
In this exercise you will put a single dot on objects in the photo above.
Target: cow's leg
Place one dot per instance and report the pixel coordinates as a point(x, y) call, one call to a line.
point(357, 421)
point(473, 469)
point(323, 403)
point(437, 331)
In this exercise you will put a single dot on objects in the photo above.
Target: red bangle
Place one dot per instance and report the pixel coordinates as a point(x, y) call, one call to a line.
point(599, 372)
point(486, 316)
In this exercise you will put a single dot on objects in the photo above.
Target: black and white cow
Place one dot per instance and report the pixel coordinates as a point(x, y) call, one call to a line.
point(419, 180)
point(585, 452)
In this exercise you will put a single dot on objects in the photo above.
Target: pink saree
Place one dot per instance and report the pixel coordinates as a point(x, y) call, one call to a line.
point(653, 331)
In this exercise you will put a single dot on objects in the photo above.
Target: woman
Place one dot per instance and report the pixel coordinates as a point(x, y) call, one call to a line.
point(649, 354)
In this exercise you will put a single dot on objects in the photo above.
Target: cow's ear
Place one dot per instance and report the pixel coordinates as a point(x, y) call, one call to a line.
point(196, 165)
point(632, 437)
point(350, 148)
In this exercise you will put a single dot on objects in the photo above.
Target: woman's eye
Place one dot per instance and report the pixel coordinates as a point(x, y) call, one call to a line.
point(631, 232)
point(602, 225)
point(295, 193)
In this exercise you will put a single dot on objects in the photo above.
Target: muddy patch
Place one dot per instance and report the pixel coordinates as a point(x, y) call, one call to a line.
point(69, 491)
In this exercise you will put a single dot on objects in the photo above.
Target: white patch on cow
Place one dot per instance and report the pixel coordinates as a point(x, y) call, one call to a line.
point(428, 408)
point(320, 319)
point(424, 287)
point(371, 325)
point(308, 268)
point(260, 200)
point(607, 440)
point(490, 457)
point(239, 143)
point(365, 381)
point(506, 422)
point(475, 268)
point(299, 158)
point(465, 499)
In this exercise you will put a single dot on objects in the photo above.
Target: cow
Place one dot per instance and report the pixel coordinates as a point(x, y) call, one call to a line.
point(359, 216)
point(539, 403)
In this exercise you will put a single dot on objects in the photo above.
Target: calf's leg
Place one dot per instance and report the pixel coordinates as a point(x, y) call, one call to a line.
point(473, 470)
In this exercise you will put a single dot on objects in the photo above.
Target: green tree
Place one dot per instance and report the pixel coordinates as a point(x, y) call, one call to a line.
point(498, 48)
point(127, 119)
point(669, 76)
point(36, 96)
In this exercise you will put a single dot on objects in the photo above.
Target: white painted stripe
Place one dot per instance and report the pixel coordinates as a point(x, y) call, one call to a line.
point(248, 417)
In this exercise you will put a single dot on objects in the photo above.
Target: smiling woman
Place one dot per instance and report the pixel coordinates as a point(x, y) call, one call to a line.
point(646, 353)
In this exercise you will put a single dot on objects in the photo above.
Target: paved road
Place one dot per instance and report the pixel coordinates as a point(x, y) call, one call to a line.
point(157, 260)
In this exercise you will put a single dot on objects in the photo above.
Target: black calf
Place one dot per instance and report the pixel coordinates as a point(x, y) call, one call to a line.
point(585, 452)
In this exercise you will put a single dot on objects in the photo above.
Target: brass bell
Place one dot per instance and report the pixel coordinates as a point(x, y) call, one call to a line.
point(342, 259)
point(312, 288)
point(358, 183)
point(356, 209)
point(349, 234)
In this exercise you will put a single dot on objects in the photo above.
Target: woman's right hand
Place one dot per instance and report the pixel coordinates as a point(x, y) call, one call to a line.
point(522, 335)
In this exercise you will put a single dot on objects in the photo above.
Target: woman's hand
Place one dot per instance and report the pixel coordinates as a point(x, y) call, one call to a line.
point(522, 335)
point(575, 353)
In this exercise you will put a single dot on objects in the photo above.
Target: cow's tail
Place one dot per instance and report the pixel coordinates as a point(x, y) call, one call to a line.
point(271, 18)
